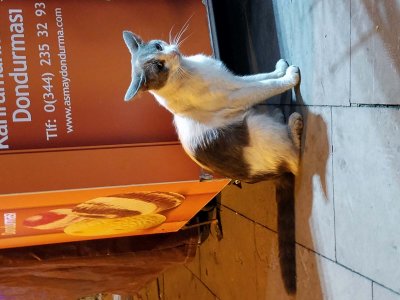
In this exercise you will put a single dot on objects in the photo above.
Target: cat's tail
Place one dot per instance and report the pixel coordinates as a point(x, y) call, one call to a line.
point(286, 230)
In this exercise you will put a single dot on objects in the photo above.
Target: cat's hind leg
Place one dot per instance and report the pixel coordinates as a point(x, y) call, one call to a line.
point(295, 126)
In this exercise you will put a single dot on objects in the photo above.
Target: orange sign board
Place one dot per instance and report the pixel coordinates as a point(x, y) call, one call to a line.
point(64, 70)
point(43, 218)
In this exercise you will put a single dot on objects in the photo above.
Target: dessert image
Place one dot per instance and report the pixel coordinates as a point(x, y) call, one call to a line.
point(52, 219)
point(114, 207)
point(96, 227)
point(110, 215)
point(163, 200)
point(132, 204)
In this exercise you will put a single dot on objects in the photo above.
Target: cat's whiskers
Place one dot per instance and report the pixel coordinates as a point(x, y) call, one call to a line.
point(179, 35)
point(178, 74)
point(181, 42)
point(170, 34)
point(182, 73)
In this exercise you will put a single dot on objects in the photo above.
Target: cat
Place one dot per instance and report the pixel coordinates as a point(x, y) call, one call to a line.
point(215, 112)
point(222, 127)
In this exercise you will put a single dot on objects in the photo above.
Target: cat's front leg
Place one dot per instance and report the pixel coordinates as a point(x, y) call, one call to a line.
point(255, 92)
point(280, 70)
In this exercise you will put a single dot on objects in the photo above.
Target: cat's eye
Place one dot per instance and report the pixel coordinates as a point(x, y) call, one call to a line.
point(159, 47)
point(159, 65)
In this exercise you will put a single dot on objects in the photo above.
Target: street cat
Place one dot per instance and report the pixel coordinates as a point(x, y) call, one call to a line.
point(215, 113)
point(222, 127)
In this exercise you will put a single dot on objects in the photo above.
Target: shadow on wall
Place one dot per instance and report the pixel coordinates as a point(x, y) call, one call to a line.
point(314, 160)
point(374, 52)
point(383, 21)
point(375, 45)
point(313, 169)
point(248, 43)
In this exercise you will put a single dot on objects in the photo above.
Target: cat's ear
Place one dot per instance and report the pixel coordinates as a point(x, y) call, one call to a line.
point(132, 41)
point(134, 87)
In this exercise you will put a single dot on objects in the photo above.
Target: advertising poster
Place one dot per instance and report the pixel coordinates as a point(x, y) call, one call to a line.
point(64, 71)
point(53, 217)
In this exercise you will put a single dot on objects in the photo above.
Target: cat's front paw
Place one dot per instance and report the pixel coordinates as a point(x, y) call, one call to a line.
point(281, 67)
point(293, 75)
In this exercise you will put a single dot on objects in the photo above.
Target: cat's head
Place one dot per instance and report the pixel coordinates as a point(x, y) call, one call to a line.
point(152, 63)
